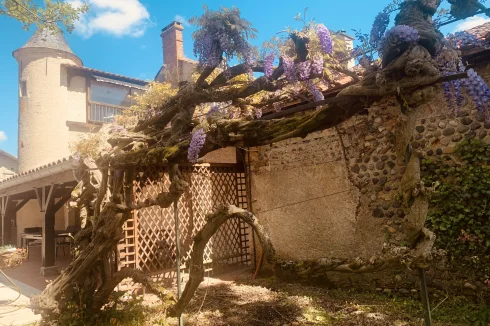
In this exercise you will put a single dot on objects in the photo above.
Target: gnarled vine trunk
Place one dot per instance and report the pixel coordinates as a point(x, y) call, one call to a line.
point(104, 194)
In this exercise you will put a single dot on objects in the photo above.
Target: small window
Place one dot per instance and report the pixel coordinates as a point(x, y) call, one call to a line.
point(23, 88)
point(108, 100)
point(113, 95)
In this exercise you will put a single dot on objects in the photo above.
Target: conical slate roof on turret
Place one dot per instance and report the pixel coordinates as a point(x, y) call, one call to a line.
point(48, 39)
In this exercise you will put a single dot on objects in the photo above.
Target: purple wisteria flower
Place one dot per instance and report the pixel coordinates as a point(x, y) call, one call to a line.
point(453, 92)
point(398, 35)
point(380, 25)
point(215, 110)
point(478, 90)
point(218, 38)
point(197, 143)
point(277, 106)
point(289, 68)
point(76, 157)
point(269, 64)
point(458, 90)
point(325, 38)
point(448, 95)
point(207, 50)
point(314, 91)
point(115, 128)
point(303, 70)
point(317, 65)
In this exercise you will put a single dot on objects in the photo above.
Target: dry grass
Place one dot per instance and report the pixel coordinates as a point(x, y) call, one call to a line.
point(271, 302)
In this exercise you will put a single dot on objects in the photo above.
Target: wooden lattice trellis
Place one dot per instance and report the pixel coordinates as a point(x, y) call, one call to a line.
point(149, 242)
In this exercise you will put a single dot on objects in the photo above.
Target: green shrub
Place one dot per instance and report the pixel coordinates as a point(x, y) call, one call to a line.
point(460, 207)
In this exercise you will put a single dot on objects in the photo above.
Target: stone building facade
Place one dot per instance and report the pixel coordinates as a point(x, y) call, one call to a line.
point(61, 100)
point(9, 163)
point(337, 193)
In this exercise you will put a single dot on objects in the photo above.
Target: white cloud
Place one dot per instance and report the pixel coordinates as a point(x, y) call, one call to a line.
point(115, 17)
point(471, 22)
point(3, 136)
point(182, 19)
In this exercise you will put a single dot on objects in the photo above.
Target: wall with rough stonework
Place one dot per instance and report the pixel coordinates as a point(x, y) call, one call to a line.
point(337, 193)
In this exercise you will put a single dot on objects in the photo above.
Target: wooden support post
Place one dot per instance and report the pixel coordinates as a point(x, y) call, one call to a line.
point(10, 217)
point(4, 203)
point(49, 207)
point(46, 204)
point(12, 220)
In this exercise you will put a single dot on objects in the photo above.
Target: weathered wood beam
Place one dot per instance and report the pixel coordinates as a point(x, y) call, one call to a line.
point(5, 202)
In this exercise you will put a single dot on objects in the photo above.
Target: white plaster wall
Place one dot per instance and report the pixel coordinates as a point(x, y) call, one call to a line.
point(27, 217)
point(77, 99)
point(222, 155)
point(30, 216)
point(308, 211)
point(8, 163)
point(43, 134)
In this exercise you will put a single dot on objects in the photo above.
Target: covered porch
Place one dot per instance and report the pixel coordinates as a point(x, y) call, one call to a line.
point(32, 208)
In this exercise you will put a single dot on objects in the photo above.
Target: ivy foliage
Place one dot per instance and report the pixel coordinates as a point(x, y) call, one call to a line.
point(460, 207)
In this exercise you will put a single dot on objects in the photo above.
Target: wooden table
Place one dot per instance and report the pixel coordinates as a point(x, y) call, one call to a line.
point(27, 238)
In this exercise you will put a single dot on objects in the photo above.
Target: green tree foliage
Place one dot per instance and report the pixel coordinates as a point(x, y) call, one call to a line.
point(49, 15)
point(460, 208)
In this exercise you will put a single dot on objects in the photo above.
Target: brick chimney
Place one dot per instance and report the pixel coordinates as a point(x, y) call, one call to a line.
point(173, 50)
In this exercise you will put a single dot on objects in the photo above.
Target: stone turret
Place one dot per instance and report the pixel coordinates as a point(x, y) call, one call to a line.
point(43, 134)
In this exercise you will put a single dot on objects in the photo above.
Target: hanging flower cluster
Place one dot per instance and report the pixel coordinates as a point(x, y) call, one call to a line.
point(314, 91)
point(398, 35)
point(453, 91)
point(380, 25)
point(197, 143)
point(269, 64)
point(215, 110)
point(325, 39)
point(478, 90)
point(317, 65)
point(303, 70)
point(475, 86)
point(222, 33)
point(289, 68)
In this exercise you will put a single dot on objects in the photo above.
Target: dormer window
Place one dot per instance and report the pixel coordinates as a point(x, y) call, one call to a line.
point(109, 98)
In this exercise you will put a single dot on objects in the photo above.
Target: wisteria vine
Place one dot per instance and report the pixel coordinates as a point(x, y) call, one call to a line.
point(197, 143)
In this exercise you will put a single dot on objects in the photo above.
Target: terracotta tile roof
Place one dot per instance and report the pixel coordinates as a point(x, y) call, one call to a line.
point(109, 75)
point(40, 168)
point(481, 31)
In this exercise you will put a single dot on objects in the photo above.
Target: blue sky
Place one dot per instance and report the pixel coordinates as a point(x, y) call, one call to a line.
point(123, 37)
